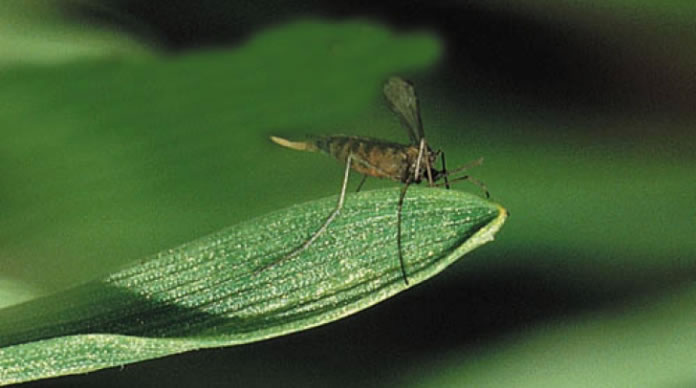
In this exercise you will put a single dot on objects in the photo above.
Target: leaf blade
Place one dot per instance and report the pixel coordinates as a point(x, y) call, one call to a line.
point(207, 293)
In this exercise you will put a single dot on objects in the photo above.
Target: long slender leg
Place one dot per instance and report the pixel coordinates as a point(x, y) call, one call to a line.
point(444, 170)
point(323, 228)
point(364, 178)
point(421, 148)
point(428, 167)
point(429, 172)
point(398, 229)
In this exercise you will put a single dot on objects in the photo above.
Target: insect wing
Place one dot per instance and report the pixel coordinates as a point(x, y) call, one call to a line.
point(402, 100)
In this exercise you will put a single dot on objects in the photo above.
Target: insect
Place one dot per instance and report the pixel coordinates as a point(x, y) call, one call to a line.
point(405, 163)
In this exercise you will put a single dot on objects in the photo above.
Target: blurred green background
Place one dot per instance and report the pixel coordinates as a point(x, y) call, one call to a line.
point(129, 127)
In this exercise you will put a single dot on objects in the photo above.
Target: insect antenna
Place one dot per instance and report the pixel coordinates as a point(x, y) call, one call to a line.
point(467, 166)
point(469, 178)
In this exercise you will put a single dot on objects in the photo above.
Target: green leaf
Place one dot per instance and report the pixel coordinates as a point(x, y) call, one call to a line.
point(210, 292)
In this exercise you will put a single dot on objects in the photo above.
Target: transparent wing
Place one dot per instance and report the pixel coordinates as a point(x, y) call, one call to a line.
point(402, 100)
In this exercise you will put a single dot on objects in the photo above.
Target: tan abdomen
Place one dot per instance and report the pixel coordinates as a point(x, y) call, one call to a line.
point(372, 157)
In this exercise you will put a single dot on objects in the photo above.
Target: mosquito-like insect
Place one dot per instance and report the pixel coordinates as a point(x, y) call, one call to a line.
point(405, 163)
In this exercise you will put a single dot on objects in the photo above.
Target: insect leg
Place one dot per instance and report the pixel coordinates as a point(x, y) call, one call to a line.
point(444, 169)
point(398, 229)
point(416, 175)
point(361, 183)
point(429, 171)
point(323, 228)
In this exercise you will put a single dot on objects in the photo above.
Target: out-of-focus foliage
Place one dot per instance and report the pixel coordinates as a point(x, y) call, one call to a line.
point(36, 32)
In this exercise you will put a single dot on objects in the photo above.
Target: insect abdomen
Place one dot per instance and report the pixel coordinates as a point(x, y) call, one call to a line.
point(371, 157)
